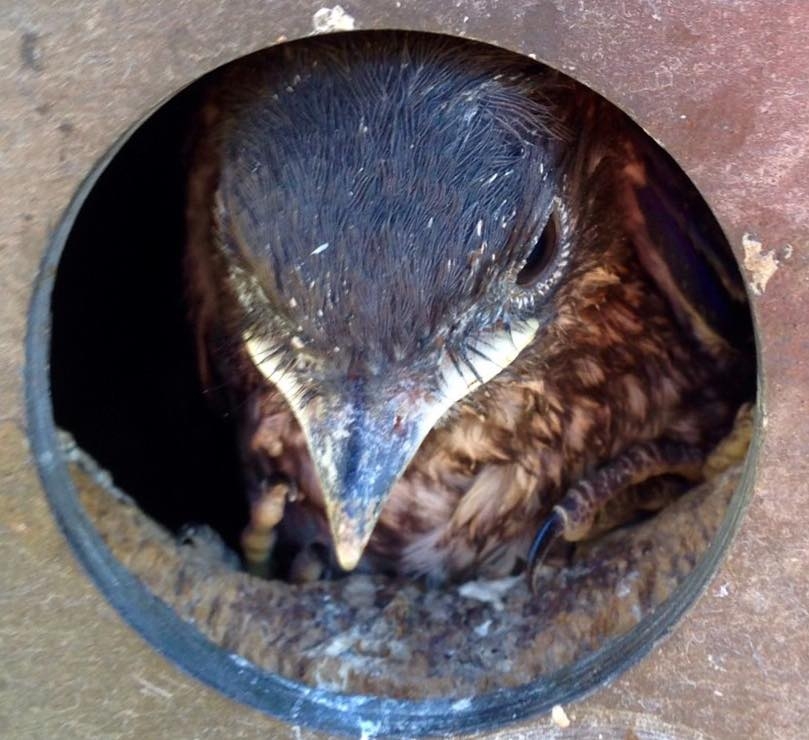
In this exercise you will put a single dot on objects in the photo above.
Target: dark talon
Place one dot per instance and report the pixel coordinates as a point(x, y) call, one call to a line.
point(545, 537)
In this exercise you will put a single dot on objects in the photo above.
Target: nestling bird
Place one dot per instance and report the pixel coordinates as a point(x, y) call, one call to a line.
point(456, 302)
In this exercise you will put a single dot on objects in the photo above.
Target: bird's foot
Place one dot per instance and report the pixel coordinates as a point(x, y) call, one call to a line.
point(258, 538)
point(732, 449)
point(573, 517)
point(547, 534)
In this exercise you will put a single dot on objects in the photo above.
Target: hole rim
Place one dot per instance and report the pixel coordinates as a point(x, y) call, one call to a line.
point(293, 702)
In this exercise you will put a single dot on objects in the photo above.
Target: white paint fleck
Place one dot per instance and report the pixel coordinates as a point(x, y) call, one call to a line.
point(461, 704)
point(559, 717)
point(759, 264)
point(327, 20)
point(45, 459)
point(715, 664)
point(240, 661)
point(368, 730)
point(320, 248)
point(151, 689)
point(722, 591)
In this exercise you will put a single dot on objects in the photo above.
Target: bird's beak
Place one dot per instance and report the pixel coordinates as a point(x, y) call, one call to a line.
point(361, 441)
point(361, 436)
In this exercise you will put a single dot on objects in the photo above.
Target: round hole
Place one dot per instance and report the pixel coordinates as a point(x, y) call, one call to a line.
point(148, 485)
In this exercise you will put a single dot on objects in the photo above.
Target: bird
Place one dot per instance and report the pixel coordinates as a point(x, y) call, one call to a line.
point(456, 303)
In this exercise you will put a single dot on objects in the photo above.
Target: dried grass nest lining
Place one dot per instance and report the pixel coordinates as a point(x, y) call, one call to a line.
point(376, 635)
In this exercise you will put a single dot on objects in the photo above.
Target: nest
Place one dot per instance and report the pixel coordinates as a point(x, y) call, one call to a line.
point(373, 634)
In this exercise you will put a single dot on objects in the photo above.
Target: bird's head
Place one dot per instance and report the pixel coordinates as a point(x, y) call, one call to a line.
point(389, 218)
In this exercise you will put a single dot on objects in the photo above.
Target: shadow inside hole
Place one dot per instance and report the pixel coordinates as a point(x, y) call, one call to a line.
point(123, 366)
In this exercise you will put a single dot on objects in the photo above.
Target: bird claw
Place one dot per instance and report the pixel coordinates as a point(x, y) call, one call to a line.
point(574, 515)
point(547, 534)
point(259, 536)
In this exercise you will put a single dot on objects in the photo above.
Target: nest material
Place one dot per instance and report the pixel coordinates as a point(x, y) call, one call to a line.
point(377, 635)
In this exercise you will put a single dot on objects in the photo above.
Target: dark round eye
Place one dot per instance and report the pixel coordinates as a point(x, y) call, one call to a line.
point(541, 254)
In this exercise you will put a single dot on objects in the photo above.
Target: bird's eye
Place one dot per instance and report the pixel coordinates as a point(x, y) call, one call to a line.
point(540, 256)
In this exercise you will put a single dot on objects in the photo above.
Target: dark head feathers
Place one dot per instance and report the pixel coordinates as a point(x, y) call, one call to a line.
point(380, 185)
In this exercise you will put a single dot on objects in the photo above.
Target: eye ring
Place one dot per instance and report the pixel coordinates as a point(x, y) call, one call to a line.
point(542, 253)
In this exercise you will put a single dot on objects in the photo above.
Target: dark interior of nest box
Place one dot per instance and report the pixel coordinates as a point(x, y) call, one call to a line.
point(124, 377)
point(124, 384)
